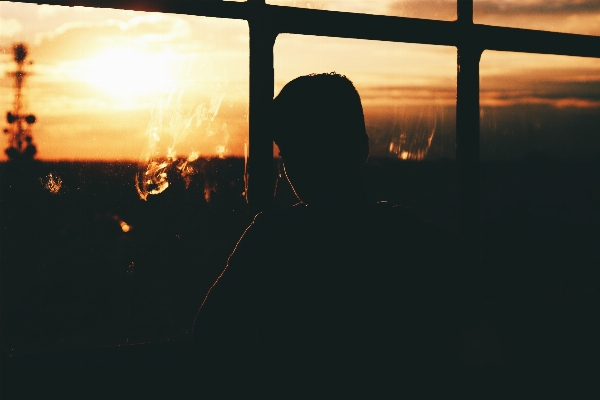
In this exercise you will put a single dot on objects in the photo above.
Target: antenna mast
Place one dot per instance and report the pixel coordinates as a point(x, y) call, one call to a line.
point(20, 141)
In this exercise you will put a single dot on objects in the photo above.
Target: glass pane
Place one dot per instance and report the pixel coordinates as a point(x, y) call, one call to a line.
point(114, 230)
point(427, 9)
point(408, 93)
point(540, 204)
point(540, 142)
point(550, 15)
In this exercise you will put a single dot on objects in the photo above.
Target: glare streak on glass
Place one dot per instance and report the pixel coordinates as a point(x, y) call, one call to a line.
point(170, 126)
point(415, 136)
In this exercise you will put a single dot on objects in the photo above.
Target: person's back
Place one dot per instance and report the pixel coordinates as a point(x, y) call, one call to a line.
point(317, 300)
point(316, 303)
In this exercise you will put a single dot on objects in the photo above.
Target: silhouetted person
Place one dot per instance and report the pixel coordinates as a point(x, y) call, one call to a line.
point(314, 299)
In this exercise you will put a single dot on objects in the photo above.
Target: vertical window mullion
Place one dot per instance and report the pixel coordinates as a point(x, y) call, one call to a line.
point(467, 121)
point(260, 163)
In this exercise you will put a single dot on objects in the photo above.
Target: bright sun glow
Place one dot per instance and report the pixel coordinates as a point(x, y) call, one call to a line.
point(127, 74)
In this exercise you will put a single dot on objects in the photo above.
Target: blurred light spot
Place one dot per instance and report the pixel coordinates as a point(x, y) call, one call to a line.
point(126, 228)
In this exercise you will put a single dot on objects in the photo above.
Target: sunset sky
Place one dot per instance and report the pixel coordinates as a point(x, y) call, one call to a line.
point(117, 85)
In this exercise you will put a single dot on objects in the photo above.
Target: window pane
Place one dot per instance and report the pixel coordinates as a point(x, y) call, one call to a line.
point(428, 9)
point(550, 15)
point(540, 142)
point(115, 231)
point(408, 93)
point(540, 203)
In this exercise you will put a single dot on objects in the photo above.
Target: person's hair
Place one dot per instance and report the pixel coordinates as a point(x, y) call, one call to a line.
point(320, 116)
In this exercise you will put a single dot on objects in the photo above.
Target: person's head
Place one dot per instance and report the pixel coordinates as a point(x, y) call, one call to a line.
point(319, 127)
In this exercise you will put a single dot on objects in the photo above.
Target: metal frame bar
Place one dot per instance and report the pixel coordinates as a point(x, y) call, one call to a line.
point(267, 21)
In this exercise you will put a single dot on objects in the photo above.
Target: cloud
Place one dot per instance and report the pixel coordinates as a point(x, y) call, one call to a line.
point(520, 78)
point(45, 11)
point(9, 27)
point(571, 16)
point(429, 9)
point(407, 95)
point(580, 91)
point(366, 63)
point(426, 9)
point(446, 9)
point(363, 6)
point(537, 7)
point(149, 33)
point(76, 40)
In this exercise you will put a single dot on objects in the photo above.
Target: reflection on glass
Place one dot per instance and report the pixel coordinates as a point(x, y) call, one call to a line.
point(412, 135)
point(119, 96)
point(550, 15)
point(427, 9)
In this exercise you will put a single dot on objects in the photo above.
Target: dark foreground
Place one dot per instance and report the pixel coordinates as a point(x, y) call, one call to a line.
point(519, 320)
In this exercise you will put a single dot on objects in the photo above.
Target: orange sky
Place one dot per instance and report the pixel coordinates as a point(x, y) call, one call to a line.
point(109, 84)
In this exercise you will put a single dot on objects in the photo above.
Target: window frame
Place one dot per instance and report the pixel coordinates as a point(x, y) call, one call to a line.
point(267, 21)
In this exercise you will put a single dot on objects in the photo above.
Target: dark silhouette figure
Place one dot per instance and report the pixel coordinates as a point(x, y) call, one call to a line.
point(320, 300)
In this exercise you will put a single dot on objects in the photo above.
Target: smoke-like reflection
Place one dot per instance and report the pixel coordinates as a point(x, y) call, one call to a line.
point(412, 136)
point(52, 183)
point(168, 151)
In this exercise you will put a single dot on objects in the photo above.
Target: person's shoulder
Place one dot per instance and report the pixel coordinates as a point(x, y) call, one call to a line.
point(269, 222)
point(276, 215)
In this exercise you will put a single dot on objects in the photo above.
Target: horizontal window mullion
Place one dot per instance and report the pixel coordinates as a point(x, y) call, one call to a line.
point(540, 42)
point(365, 26)
point(362, 26)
